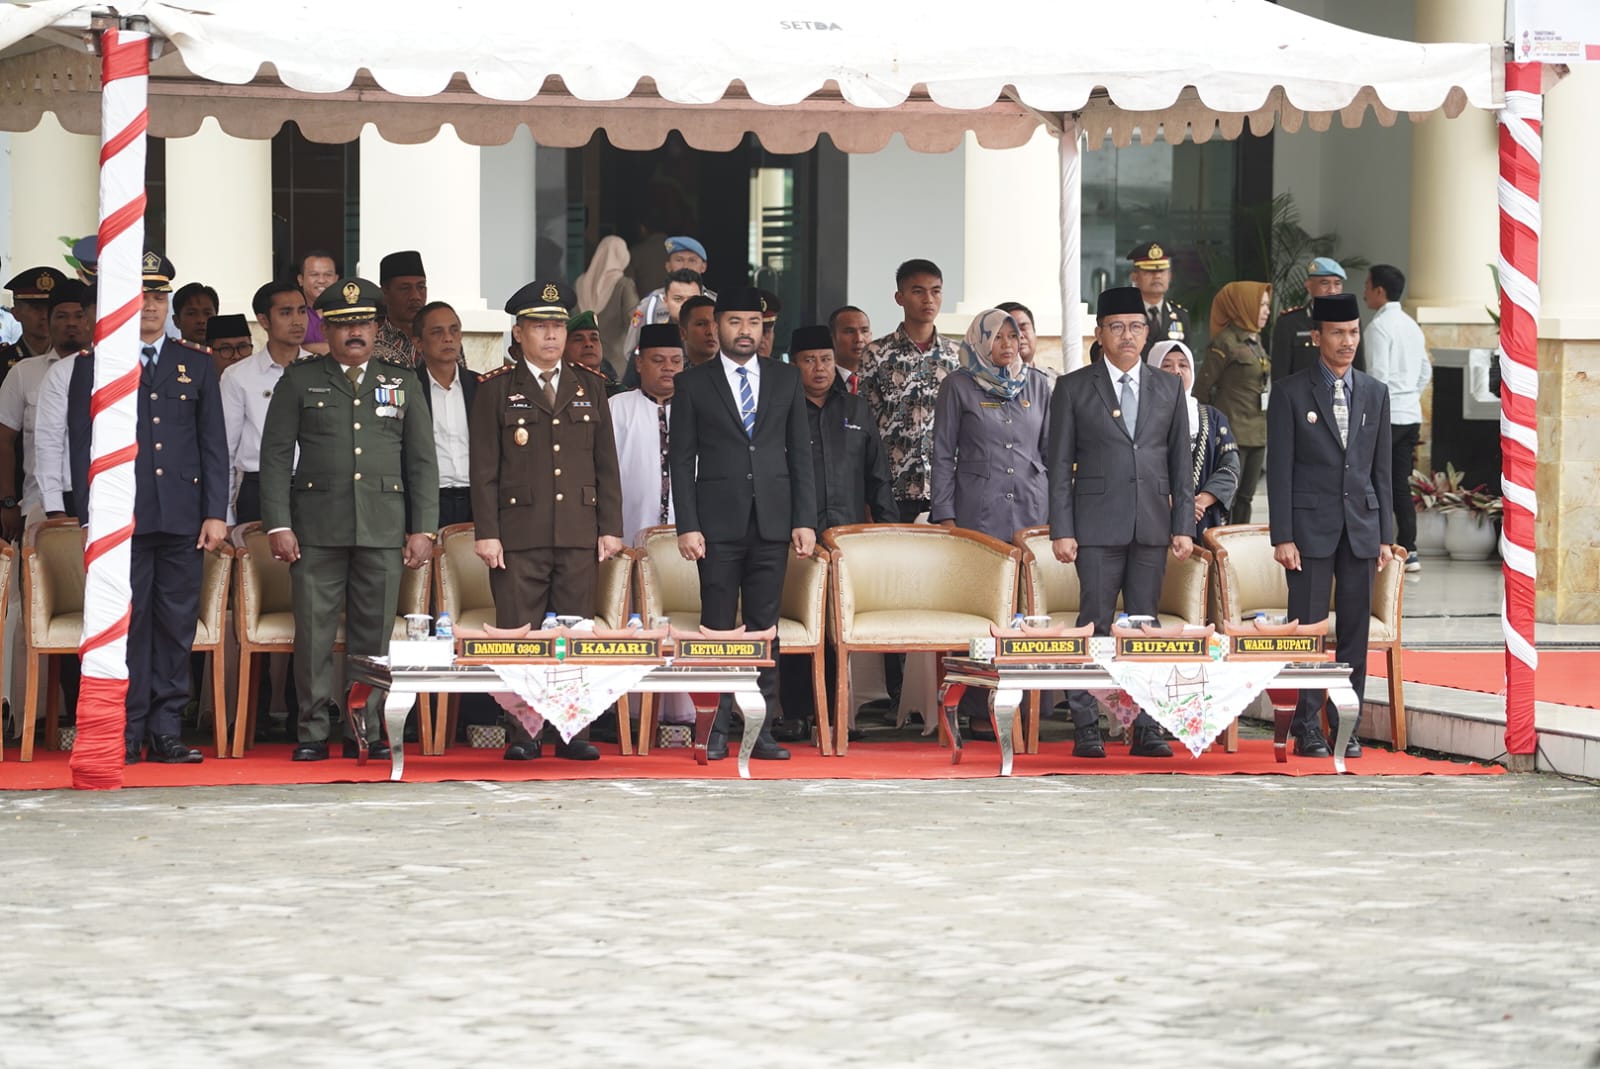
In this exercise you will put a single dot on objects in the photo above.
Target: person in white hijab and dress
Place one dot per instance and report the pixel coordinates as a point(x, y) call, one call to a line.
point(1216, 461)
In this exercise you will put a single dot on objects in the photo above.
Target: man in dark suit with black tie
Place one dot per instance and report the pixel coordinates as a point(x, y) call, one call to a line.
point(181, 482)
point(1120, 490)
point(742, 487)
point(1328, 436)
point(449, 389)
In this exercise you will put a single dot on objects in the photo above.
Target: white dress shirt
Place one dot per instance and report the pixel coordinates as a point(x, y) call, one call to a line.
point(246, 389)
point(19, 405)
point(52, 462)
point(1397, 356)
point(1116, 378)
point(752, 366)
point(450, 430)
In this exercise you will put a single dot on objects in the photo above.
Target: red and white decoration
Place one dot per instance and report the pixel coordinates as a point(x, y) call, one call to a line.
point(1520, 146)
point(97, 754)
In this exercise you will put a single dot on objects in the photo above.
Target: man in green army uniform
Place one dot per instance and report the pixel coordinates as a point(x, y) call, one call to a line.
point(339, 515)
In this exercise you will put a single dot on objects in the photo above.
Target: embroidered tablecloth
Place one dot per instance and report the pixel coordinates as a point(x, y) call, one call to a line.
point(571, 697)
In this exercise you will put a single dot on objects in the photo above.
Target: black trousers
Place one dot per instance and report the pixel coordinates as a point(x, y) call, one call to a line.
point(751, 569)
point(1403, 449)
point(455, 505)
point(798, 698)
point(1135, 572)
point(247, 502)
point(1252, 458)
point(1348, 578)
point(165, 573)
point(537, 581)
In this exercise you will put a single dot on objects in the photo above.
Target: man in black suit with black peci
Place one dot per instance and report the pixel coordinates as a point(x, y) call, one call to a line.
point(1327, 493)
point(742, 487)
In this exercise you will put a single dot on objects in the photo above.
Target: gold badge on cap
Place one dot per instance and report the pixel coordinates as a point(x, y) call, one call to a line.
point(550, 294)
point(152, 262)
point(1312, 266)
point(520, 436)
point(1155, 251)
point(352, 293)
point(46, 283)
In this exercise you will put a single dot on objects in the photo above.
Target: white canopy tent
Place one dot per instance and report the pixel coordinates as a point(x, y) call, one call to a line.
point(857, 72)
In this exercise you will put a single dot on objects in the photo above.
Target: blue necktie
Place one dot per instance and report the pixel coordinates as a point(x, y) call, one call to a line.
point(151, 355)
point(747, 404)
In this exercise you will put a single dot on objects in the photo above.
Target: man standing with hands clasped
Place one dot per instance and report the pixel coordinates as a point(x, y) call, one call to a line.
point(1120, 490)
point(742, 488)
point(1328, 436)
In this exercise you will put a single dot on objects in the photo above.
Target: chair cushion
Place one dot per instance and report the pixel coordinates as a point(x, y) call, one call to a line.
point(794, 633)
point(275, 628)
point(895, 628)
point(63, 630)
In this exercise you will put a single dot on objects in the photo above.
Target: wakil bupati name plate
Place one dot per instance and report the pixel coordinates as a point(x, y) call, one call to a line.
point(1046, 648)
point(507, 649)
point(1140, 648)
point(614, 649)
point(1285, 646)
point(719, 649)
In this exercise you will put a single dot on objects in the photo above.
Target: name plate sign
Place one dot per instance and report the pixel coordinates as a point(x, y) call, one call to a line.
point(1285, 647)
point(1056, 648)
point(507, 649)
point(613, 649)
point(721, 649)
point(1146, 648)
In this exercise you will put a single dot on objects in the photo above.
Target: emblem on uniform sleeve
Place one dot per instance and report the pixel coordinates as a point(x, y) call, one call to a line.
point(352, 293)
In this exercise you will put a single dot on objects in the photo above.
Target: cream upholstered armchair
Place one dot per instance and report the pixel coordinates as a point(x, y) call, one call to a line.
point(1050, 588)
point(52, 598)
point(211, 636)
point(461, 588)
point(900, 587)
point(670, 586)
point(1249, 580)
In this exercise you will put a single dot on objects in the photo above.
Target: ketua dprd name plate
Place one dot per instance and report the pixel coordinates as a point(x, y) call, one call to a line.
point(722, 649)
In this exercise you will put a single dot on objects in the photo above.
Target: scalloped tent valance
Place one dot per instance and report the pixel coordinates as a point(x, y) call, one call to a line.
point(858, 72)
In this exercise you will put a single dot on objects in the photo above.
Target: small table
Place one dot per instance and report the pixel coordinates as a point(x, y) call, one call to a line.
point(401, 686)
point(1007, 682)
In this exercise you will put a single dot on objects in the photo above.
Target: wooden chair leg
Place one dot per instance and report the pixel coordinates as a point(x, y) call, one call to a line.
point(219, 701)
point(1035, 706)
point(841, 724)
point(425, 703)
point(647, 724)
point(241, 709)
point(1397, 699)
point(819, 695)
point(444, 730)
point(625, 724)
point(30, 705)
point(52, 706)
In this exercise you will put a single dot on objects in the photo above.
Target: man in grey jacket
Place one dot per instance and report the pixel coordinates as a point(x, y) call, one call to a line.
point(1120, 491)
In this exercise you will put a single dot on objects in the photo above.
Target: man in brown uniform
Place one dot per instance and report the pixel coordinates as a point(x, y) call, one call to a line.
point(546, 496)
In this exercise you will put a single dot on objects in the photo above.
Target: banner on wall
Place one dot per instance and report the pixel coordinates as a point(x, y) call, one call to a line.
point(1555, 31)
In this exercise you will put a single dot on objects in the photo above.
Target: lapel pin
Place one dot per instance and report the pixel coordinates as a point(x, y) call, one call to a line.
point(1311, 417)
point(1116, 413)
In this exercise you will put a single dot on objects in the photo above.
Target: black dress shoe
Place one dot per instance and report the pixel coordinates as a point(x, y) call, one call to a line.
point(767, 749)
point(980, 729)
point(377, 750)
point(717, 746)
point(577, 750)
point(791, 731)
point(170, 750)
point(131, 755)
point(1147, 742)
point(524, 751)
point(1353, 747)
point(311, 751)
point(1310, 743)
point(1086, 742)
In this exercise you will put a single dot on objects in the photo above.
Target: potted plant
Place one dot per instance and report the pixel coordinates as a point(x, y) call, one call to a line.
point(1435, 496)
point(1470, 529)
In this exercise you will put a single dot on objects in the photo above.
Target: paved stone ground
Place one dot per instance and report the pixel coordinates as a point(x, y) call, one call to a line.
point(1126, 921)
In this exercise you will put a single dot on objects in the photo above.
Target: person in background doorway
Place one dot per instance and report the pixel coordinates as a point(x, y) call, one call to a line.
point(606, 290)
point(1397, 356)
point(318, 270)
point(683, 254)
point(1235, 377)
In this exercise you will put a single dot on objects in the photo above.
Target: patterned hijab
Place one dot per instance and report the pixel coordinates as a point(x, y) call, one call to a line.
point(1002, 382)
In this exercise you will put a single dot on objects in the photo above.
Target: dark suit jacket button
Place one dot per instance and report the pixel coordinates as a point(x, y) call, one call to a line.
point(752, 476)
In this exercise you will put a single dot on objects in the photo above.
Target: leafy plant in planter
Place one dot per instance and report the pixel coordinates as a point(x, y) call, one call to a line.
point(1471, 526)
point(1435, 495)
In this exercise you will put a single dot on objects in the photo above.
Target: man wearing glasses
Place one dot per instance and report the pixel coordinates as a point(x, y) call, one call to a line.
point(1120, 491)
point(247, 386)
point(228, 338)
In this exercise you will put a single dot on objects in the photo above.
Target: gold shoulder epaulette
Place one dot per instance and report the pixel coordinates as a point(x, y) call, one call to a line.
point(496, 373)
point(196, 346)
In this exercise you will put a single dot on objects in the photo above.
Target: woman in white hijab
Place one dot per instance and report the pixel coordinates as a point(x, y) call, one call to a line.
point(1215, 455)
point(610, 294)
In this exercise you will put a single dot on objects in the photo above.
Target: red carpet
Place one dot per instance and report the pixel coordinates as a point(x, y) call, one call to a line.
point(886, 760)
point(1566, 677)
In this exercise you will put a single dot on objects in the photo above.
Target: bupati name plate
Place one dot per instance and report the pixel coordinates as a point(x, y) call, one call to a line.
point(507, 649)
point(614, 649)
point(1278, 646)
point(723, 649)
point(1044, 648)
point(1185, 647)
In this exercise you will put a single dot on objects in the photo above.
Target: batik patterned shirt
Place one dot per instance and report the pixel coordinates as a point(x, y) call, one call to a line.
point(393, 346)
point(901, 383)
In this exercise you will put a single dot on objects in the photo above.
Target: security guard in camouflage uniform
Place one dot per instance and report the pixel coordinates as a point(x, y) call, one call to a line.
point(339, 517)
point(546, 494)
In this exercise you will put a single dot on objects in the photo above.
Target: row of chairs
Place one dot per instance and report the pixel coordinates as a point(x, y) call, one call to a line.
point(871, 588)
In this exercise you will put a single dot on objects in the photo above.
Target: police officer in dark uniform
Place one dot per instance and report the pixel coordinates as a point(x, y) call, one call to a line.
point(1152, 275)
point(181, 480)
point(339, 516)
point(1292, 349)
point(546, 495)
point(30, 293)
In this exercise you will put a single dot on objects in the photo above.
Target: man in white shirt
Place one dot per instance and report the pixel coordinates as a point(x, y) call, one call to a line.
point(280, 309)
point(1397, 356)
point(449, 390)
point(640, 419)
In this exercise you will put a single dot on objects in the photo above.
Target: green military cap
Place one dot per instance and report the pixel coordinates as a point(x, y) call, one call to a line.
point(542, 300)
point(349, 300)
point(583, 321)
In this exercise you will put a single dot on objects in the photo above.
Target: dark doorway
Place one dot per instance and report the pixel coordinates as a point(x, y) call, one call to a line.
point(316, 200)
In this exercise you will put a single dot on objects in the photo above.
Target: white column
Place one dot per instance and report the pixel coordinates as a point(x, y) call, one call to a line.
point(1569, 302)
point(1454, 174)
point(1013, 253)
point(428, 197)
point(219, 214)
point(55, 191)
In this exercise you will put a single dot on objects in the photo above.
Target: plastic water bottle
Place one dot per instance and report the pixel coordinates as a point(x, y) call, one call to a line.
point(1122, 619)
point(1017, 621)
point(444, 627)
point(549, 622)
point(635, 623)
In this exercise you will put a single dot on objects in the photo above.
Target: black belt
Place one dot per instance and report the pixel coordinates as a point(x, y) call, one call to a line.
point(249, 477)
point(454, 491)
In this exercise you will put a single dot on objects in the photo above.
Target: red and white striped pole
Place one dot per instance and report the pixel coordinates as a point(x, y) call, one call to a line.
point(97, 753)
point(1521, 144)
